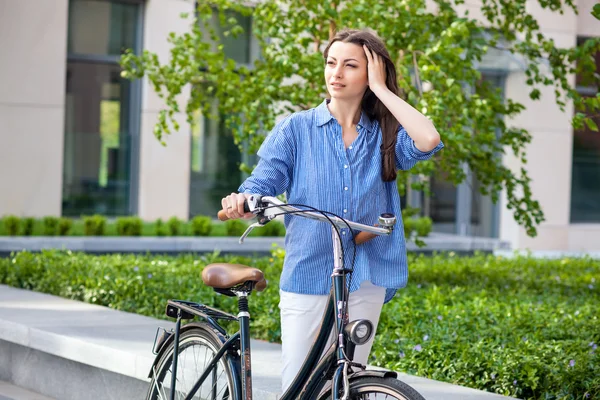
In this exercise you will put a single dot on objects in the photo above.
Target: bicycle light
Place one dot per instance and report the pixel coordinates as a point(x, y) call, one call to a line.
point(359, 331)
point(387, 220)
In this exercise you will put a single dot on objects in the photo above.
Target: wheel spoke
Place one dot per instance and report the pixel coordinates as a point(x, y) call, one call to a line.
point(195, 354)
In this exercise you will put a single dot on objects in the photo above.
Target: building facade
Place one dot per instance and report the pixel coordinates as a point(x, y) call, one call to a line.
point(77, 139)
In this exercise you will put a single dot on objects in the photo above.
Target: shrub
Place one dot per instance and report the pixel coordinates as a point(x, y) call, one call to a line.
point(201, 225)
point(174, 226)
point(159, 228)
point(12, 224)
point(50, 226)
point(94, 225)
point(28, 224)
point(129, 226)
point(423, 226)
point(64, 226)
point(415, 228)
point(235, 227)
point(522, 327)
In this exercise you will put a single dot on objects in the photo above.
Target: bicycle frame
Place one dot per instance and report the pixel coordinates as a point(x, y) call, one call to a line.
point(308, 382)
point(312, 376)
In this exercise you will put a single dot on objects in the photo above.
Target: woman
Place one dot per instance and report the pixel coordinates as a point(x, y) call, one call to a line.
point(342, 157)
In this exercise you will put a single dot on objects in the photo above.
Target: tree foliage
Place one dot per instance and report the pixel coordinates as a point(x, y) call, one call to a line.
point(438, 56)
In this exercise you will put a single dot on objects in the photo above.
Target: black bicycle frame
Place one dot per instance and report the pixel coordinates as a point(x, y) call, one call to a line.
point(312, 375)
point(186, 310)
point(316, 367)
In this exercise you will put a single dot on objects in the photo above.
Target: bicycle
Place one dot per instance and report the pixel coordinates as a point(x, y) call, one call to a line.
point(226, 372)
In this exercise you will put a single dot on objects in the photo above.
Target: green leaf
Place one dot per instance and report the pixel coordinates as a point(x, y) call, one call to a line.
point(596, 10)
point(591, 124)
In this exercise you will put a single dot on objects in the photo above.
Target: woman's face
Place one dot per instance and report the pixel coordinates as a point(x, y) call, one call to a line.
point(346, 71)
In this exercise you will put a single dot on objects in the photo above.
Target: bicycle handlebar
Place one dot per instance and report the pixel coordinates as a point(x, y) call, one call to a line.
point(267, 208)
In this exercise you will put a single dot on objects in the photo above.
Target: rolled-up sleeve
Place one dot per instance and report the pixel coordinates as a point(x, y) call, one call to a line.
point(272, 175)
point(407, 154)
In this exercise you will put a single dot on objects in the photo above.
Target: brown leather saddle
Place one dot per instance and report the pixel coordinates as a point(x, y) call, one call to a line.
point(229, 278)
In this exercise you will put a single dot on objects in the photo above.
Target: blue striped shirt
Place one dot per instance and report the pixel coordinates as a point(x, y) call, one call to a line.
point(304, 157)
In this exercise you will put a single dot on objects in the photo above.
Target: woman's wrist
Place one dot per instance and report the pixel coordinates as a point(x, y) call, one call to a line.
point(379, 90)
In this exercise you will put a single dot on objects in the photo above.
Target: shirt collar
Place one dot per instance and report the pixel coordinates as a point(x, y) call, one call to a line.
point(324, 116)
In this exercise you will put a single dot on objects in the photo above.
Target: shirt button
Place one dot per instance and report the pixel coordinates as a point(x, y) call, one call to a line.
point(345, 210)
point(346, 188)
point(343, 232)
point(345, 166)
point(350, 147)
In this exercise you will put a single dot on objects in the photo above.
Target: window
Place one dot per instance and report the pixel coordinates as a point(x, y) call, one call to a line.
point(238, 47)
point(98, 120)
point(215, 170)
point(101, 27)
point(215, 158)
point(463, 209)
point(585, 182)
point(442, 204)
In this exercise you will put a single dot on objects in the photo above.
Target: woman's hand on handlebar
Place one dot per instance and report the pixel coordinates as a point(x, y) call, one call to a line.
point(233, 206)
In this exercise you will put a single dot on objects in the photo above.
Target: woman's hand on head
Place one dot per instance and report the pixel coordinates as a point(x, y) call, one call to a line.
point(375, 70)
point(234, 205)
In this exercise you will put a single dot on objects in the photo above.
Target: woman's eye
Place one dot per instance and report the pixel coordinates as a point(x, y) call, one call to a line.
point(352, 66)
point(329, 62)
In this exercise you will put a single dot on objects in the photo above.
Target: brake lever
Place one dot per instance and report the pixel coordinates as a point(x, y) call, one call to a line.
point(264, 213)
point(248, 230)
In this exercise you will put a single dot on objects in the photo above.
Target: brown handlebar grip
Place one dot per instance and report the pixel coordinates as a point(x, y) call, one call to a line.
point(363, 237)
point(222, 215)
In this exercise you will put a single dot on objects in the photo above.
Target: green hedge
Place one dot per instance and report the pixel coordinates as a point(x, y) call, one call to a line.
point(522, 327)
point(99, 225)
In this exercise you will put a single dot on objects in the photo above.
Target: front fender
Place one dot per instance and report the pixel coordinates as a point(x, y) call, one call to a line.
point(375, 373)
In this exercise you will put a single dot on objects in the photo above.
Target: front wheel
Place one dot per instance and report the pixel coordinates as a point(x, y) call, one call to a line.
point(379, 388)
point(197, 346)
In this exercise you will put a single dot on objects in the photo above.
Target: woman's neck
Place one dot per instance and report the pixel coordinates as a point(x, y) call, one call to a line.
point(347, 113)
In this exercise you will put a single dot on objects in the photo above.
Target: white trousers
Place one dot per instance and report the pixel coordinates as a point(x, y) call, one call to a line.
point(301, 318)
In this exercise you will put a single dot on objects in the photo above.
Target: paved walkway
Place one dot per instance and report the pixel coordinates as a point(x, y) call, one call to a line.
point(67, 350)
point(12, 392)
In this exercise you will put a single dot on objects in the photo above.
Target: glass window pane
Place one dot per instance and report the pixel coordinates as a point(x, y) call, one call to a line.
point(215, 166)
point(442, 204)
point(580, 79)
point(585, 184)
point(97, 141)
point(101, 27)
point(484, 213)
point(236, 48)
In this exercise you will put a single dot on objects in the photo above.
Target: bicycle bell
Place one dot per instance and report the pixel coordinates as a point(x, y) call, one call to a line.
point(387, 220)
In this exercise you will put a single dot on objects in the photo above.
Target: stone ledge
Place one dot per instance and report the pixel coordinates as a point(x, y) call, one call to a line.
point(435, 242)
point(62, 348)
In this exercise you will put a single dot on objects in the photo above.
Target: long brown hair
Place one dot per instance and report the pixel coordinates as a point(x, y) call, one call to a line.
point(371, 105)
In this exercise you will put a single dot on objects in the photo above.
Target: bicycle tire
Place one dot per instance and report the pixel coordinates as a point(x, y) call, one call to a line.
point(389, 388)
point(200, 336)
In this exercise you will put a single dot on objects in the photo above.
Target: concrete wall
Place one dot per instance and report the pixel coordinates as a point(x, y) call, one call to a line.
point(587, 25)
point(550, 151)
point(33, 40)
point(164, 171)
